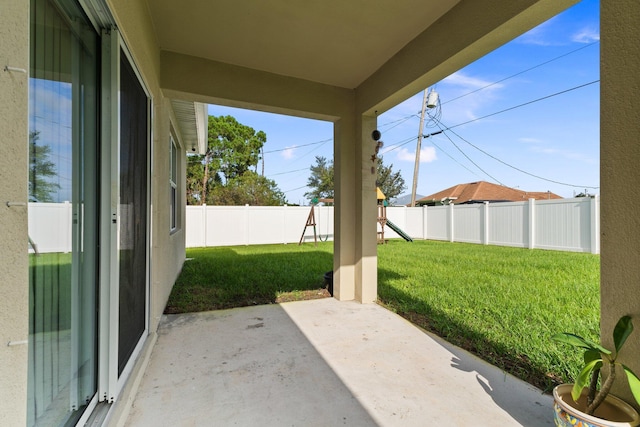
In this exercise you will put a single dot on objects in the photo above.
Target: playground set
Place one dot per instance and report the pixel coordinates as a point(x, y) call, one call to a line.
point(382, 220)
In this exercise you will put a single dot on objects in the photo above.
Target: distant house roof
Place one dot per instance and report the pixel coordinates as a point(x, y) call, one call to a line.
point(482, 191)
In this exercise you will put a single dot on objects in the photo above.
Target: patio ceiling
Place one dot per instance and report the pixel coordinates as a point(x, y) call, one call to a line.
point(334, 42)
point(310, 58)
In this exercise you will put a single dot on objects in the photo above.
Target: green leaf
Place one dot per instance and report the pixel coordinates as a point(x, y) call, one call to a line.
point(578, 341)
point(584, 378)
point(591, 355)
point(621, 332)
point(634, 383)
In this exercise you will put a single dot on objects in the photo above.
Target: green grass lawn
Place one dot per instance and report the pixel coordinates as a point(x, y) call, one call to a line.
point(226, 277)
point(50, 292)
point(500, 303)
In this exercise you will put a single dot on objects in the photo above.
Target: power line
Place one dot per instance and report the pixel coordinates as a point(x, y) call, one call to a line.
point(514, 167)
point(294, 189)
point(312, 150)
point(399, 144)
point(524, 104)
point(398, 122)
point(287, 172)
point(522, 72)
point(304, 155)
point(499, 81)
point(469, 158)
point(453, 158)
point(298, 146)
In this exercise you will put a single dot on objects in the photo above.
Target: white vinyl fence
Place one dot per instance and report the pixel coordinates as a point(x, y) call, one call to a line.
point(50, 226)
point(254, 225)
point(565, 224)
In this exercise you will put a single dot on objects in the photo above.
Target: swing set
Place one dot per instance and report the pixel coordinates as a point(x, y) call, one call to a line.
point(382, 221)
point(311, 222)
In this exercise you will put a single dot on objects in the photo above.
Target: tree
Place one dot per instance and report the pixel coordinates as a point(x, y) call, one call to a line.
point(247, 189)
point(40, 170)
point(390, 183)
point(321, 180)
point(220, 175)
point(232, 148)
point(195, 178)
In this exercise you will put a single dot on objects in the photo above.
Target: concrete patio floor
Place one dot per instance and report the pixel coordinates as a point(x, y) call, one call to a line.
point(322, 363)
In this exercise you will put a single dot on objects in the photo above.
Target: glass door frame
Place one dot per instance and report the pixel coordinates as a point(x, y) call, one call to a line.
point(110, 384)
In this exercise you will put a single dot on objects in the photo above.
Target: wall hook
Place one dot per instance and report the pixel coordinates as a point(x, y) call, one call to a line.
point(15, 69)
point(12, 204)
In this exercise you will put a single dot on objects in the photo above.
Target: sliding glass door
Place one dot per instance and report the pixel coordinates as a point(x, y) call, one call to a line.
point(89, 214)
point(63, 213)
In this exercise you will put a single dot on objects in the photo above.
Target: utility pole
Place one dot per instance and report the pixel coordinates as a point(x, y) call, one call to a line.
point(418, 147)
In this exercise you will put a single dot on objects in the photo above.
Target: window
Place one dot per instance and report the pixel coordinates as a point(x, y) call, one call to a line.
point(173, 178)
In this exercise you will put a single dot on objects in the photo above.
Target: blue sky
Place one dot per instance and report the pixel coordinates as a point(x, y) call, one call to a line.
point(50, 105)
point(556, 138)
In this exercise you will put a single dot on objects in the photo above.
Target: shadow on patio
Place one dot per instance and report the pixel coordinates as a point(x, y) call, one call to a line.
point(322, 363)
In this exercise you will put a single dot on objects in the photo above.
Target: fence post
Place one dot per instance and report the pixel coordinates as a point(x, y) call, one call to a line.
point(203, 240)
point(284, 224)
point(595, 224)
point(532, 222)
point(451, 225)
point(485, 231)
point(246, 225)
point(424, 222)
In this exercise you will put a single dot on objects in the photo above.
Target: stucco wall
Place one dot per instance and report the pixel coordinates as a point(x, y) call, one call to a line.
point(168, 248)
point(14, 303)
point(620, 173)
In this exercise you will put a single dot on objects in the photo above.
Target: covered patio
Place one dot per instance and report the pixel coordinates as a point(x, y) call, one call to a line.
point(341, 62)
point(322, 363)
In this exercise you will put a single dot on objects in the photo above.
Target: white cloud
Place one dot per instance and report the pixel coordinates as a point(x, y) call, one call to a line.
point(470, 83)
point(540, 35)
point(288, 153)
point(549, 150)
point(586, 35)
point(427, 155)
point(472, 95)
point(530, 140)
point(567, 154)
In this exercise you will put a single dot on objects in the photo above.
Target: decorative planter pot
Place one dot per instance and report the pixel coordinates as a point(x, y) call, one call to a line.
point(613, 412)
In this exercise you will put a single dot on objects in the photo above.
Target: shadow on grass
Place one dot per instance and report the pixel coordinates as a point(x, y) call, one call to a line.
point(459, 334)
point(220, 278)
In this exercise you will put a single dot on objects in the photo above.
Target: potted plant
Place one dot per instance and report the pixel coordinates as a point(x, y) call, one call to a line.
point(582, 402)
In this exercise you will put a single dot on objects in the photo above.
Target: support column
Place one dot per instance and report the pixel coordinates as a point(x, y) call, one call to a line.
point(355, 245)
point(344, 211)
point(620, 156)
point(366, 213)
